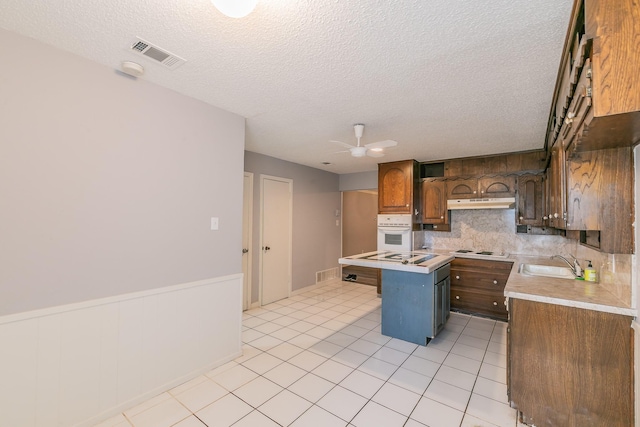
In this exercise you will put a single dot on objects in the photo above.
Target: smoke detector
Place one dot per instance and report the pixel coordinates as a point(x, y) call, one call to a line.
point(132, 68)
point(155, 53)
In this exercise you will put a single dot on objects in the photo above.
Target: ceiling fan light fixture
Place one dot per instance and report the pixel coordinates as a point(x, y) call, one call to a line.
point(235, 8)
point(359, 151)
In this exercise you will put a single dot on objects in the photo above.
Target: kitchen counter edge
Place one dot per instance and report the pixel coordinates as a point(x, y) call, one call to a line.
point(425, 268)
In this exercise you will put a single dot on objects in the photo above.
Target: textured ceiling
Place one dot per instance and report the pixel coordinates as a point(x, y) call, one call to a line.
point(443, 78)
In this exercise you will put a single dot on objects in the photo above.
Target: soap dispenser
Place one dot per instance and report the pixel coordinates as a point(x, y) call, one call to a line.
point(590, 273)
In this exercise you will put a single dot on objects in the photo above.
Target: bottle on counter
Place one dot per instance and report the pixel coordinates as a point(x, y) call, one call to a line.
point(590, 273)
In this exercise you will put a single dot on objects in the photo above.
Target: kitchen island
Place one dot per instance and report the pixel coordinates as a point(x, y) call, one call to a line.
point(415, 292)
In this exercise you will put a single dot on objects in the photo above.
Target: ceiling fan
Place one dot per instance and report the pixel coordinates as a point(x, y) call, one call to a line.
point(373, 149)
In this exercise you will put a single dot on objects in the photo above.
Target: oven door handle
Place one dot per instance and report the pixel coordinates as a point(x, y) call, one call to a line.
point(394, 230)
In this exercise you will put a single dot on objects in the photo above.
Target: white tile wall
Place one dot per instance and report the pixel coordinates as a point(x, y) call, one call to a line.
point(82, 363)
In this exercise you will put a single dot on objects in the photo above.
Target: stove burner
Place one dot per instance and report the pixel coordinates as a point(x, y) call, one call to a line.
point(488, 254)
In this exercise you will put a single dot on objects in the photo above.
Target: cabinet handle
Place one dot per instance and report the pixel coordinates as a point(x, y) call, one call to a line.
point(495, 282)
point(457, 297)
point(521, 217)
point(474, 191)
point(407, 205)
point(442, 217)
point(555, 215)
point(457, 277)
point(495, 303)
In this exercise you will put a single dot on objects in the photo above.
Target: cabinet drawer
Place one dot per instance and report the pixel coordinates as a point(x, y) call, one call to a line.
point(488, 281)
point(484, 303)
point(482, 265)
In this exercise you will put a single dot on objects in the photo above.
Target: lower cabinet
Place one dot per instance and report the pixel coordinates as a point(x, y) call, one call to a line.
point(568, 366)
point(477, 286)
point(364, 275)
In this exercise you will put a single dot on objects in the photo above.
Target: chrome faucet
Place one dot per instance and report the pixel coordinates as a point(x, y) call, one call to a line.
point(575, 267)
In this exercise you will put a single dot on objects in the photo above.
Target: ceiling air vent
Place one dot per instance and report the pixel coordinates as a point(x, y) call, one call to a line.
point(162, 56)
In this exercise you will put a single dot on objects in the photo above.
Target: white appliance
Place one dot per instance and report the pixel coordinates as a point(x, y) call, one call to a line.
point(395, 232)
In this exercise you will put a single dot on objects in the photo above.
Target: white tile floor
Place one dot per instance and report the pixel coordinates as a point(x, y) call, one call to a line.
point(318, 359)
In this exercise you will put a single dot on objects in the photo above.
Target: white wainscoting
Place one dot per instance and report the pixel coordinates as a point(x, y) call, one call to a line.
point(78, 364)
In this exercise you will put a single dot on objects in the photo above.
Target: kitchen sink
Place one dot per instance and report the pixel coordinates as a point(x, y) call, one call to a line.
point(546, 271)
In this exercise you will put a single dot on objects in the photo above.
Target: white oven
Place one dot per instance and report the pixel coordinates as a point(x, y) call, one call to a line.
point(395, 232)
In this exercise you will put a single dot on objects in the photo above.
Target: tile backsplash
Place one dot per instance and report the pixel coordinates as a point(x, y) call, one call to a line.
point(495, 230)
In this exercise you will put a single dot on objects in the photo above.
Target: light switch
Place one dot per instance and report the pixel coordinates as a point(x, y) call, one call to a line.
point(337, 223)
point(214, 223)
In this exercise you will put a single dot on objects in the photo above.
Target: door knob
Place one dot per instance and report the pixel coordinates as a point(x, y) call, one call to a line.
point(245, 250)
point(266, 248)
point(495, 282)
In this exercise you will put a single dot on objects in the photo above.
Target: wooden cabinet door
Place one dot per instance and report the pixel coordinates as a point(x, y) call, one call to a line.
point(497, 186)
point(462, 189)
point(395, 187)
point(530, 199)
point(434, 202)
point(569, 366)
point(557, 186)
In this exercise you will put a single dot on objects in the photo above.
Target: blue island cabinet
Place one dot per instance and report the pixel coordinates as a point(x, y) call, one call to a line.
point(415, 306)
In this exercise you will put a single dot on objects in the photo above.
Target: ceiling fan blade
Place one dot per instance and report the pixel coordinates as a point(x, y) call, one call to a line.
point(382, 144)
point(344, 144)
point(375, 153)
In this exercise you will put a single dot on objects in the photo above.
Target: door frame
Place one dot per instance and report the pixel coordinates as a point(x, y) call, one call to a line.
point(290, 242)
point(247, 210)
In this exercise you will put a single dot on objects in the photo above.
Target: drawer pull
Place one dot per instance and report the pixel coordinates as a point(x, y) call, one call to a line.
point(457, 297)
point(495, 303)
point(495, 282)
point(457, 277)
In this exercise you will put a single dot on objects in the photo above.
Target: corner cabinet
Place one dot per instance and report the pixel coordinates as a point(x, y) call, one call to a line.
point(569, 366)
point(593, 191)
point(530, 201)
point(396, 183)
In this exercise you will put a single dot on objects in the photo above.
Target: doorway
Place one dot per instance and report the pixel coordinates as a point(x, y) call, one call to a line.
point(276, 219)
point(359, 222)
point(247, 218)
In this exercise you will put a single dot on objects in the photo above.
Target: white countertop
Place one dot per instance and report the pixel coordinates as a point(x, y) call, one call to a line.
point(570, 293)
point(413, 261)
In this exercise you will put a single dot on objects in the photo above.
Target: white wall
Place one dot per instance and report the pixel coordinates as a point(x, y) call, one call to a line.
point(108, 183)
point(316, 237)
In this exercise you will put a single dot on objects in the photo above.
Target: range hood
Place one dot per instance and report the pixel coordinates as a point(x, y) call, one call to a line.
point(499, 203)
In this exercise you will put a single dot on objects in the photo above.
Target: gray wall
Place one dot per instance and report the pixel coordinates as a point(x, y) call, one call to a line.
point(316, 238)
point(107, 183)
point(359, 181)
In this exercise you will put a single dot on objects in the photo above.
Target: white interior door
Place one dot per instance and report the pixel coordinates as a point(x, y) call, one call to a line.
point(247, 218)
point(275, 238)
